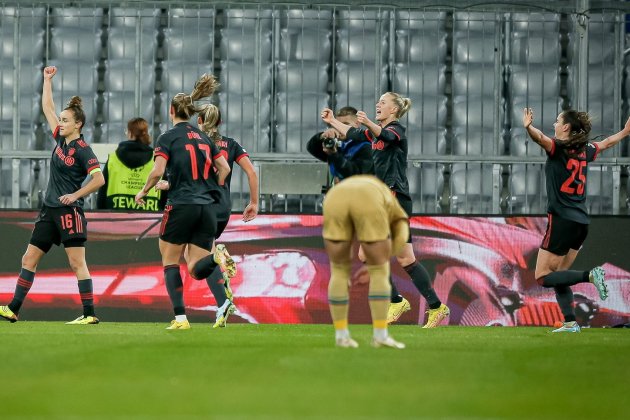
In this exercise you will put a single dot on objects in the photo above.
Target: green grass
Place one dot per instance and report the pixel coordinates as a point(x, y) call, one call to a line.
point(134, 370)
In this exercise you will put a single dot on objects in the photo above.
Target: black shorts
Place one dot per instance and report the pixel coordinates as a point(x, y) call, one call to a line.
point(222, 214)
point(407, 205)
point(188, 224)
point(563, 235)
point(56, 225)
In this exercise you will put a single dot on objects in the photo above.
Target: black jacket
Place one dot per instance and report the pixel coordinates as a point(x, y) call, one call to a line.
point(344, 162)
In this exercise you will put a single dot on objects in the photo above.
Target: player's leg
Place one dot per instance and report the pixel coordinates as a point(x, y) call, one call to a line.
point(171, 253)
point(75, 251)
point(340, 256)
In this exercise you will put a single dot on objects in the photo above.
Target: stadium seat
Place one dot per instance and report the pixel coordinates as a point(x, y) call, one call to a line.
point(301, 77)
point(361, 46)
point(600, 82)
point(79, 44)
point(188, 46)
point(177, 78)
point(420, 47)
point(599, 189)
point(360, 77)
point(479, 22)
point(254, 140)
point(305, 44)
point(113, 132)
point(245, 110)
point(121, 75)
point(29, 80)
point(239, 44)
point(31, 19)
point(546, 111)
point(419, 79)
point(471, 188)
point(474, 111)
point(474, 79)
point(363, 101)
point(535, 49)
point(420, 20)
point(87, 18)
point(476, 142)
point(472, 49)
point(527, 189)
point(428, 142)
point(534, 80)
point(295, 109)
point(360, 20)
point(292, 138)
point(237, 77)
point(75, 77)
point(306, 18)
point(118, 107)
point(601, 49)
point(428, 112)
point(122, 44)
point(132, 17)
point(520, 144)
point(535, 23)
point(25, 136)
point(196, 19)
point(30, 45)
point(426, 186)
point(249, 18)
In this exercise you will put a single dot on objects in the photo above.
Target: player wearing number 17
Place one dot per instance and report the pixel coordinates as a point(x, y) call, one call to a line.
point(566, 170)
point(187, 155)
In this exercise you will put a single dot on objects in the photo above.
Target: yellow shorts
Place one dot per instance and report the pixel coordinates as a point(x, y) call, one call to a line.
point(362, 206)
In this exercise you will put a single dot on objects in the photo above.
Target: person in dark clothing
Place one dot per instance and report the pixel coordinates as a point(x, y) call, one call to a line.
point(389, 150)
point(568, 154)
point(345, 157)
point(126, 169)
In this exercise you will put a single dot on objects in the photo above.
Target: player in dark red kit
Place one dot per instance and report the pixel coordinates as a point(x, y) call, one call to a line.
point(61, 219)
point(389, 151)
point(566, 171)
point(188, 221)
point(218, 282)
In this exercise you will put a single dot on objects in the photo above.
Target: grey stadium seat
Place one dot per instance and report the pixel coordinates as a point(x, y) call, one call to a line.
point(32, 19)
point(246, 136)
point(191, 19)
point(546, 111)
point(471, 188)
point(114, 132)
point(187, 47)
point(176, 78)
point(30, 45)
point(527, 189)
point(237, 109)
point(420, 20)
point(522, 145)
point(306, 18)
point(474, 111)
point(418, 79)
point(121, 75)
point(238, 44)
point(302, 77)
point(475, 22)
point(131, 18)
point(360, 77)
point(599, 189)
point(425, 142)
point(292, 138)
point(428, 112)
point(121, 44)
point(420, 47)
point(473, 79)
point(294, 108)
point(305, 44)
point(360, 46)
point(534, 80)
point(237, 78)
point(74, 77)
point(535, 23)
point(363, 101)
point(426, 185)
point(359, 20)
point(75, 44)
point(600, 82)
point(88, 18)
point(477, 142)
point(535, 49)
point(247, 18)
point(118, 107)
point(473, 49)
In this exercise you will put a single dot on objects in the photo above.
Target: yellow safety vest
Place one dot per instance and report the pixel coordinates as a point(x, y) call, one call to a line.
point(124, 183)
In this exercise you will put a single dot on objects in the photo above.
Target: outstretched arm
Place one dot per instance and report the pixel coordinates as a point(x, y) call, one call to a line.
point(48, 105)
point(536, 135)
point(615, 138)
point(251, 211)
point(362, 118)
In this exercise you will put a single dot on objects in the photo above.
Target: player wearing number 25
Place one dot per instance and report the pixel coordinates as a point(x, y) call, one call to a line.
point(188, 156)
point(61, 220)
point(568, 156)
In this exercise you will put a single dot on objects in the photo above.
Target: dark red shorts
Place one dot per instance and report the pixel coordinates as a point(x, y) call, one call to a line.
point(563, 235)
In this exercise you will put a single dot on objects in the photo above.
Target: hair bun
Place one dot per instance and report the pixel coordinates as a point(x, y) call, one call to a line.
point(75, 101)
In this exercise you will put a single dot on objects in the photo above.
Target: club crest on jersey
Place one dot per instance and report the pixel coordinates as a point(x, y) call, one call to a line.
point(378, 145)
point(69, 161)
point(71, 152)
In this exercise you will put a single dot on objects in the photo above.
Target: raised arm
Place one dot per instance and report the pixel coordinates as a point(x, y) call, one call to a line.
point(615, 138)
point(251, 211)
point(536, 135)
point(329, 118)
point(362, 118)
point(48, 105)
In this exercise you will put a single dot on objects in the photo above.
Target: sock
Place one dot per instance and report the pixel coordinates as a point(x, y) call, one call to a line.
point(379, 295)
point(342, 333)
point(24, 283)
point(204, 267)
point(180, 318)
point(395, 297)
point(338, 296)
point(564, 278)
point(380, 334)
point(86, 291)
point(175, 288)
point(564, 296)
point(421, 279)
point(215, 283)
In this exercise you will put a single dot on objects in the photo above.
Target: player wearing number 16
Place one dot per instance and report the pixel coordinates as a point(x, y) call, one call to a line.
point(188, 155)
point(566, 171)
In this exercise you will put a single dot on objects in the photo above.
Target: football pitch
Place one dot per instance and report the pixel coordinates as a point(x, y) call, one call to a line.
point(140, 370)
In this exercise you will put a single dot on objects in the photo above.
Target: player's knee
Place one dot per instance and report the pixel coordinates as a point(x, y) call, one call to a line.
point(379, 279)
point(339, 278)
